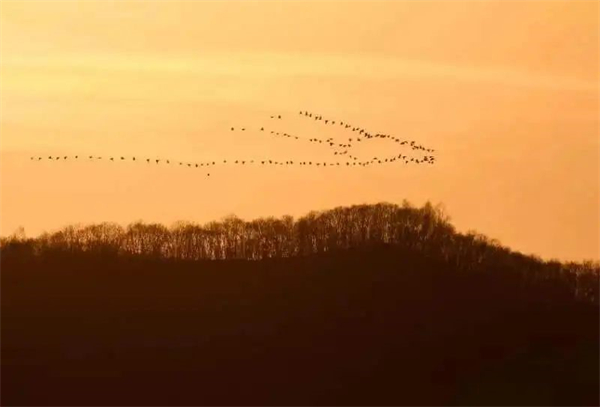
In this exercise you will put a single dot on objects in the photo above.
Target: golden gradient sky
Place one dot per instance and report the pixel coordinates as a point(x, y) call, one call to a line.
point(506, 91)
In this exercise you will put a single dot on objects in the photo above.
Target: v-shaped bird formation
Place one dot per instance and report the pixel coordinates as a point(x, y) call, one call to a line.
point(340, 149)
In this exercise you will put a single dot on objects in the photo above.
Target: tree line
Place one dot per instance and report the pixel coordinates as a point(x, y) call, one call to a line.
point(426, 230)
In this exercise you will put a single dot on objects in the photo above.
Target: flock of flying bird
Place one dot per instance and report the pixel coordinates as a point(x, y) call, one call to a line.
point(341, 149)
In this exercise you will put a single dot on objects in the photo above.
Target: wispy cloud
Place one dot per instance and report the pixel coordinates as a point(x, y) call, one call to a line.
point(290, 64)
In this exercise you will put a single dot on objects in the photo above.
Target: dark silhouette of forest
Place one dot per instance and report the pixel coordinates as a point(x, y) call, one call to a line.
point(363, 305)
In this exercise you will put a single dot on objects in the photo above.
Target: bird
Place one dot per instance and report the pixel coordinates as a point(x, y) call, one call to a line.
point(232, 129)
point(279, 117)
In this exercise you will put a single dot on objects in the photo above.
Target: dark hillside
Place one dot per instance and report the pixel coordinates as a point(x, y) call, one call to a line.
point(377, 323)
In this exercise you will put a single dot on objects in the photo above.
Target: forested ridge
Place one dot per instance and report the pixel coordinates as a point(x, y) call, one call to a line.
point(363, 305)
point(425, 231)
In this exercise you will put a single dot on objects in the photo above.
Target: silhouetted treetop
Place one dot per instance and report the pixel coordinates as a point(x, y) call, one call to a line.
point(424, 231)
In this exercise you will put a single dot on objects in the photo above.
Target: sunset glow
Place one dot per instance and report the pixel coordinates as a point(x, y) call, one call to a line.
point(505, 91)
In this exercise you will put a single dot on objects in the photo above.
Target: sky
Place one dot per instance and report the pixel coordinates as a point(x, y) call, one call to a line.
point(506, 92)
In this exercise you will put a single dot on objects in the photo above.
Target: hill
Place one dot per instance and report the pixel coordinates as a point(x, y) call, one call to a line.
point(366, 305)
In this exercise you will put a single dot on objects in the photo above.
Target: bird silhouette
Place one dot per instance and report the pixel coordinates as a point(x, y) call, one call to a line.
point(427, 159)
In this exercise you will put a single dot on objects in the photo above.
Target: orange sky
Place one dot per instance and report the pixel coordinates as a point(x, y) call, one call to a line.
point(506, 91)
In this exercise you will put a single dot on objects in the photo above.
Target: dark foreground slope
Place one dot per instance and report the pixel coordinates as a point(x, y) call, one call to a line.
point(379, 325)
